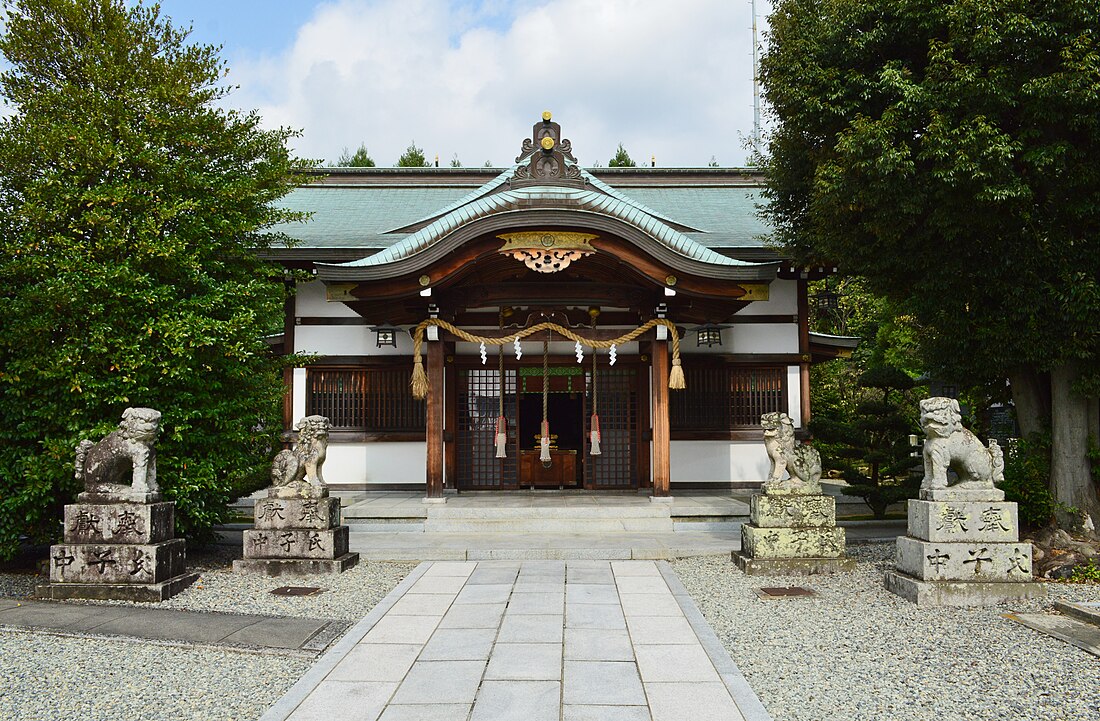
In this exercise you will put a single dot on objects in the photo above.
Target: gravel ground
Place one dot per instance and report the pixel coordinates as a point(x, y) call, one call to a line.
point(857, 651)
point(347, 596)
point(47, 677)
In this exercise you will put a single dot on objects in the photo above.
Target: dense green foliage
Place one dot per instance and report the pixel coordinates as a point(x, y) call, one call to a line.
point(131, 206)
point(1027, 470)
point(622, 159)
point(946, 152)
point(359, 159)
point(413, 157)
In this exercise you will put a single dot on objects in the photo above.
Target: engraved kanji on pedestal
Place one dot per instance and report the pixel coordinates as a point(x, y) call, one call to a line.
point(119, 538)
point(792, 524)
point(963, 545)
point(297, 527)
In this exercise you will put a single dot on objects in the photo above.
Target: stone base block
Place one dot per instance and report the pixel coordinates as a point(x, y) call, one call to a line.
point(792, 511)
point(296, 543)
point(133, 523)
point(320, 514)
point(301, 489)
point(960, 593)
point(144, 592)
point(964, 521)
point(792, 542)
point(954, 493)
point(792, 566)
point(295, 566)
point(118, 493)
point(976, 561)
point(116, 563)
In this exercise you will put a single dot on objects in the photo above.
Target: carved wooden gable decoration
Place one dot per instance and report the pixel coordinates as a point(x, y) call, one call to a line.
point(546, 159)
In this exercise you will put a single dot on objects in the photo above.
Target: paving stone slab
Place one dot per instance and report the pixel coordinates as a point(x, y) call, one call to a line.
point(459, 644)
point(363, 699)
point(485, 615)
point(531, 628)
point(694, 700)
point(605, 683)
point(520, 700)
point(426, 712)
point(376, 662)
point(605, 713)
point(598, 644)
point(443, 682)
point(1083, 635)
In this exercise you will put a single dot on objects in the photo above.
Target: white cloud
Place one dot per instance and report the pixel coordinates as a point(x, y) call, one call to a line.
point(671, 79)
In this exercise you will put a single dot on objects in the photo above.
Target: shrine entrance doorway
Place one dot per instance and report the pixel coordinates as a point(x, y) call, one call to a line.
point(622, 403)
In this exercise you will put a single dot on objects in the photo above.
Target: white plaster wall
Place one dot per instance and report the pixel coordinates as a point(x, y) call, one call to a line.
point(353, 340)
point(763, 338)
point(794, 395)
point(718, 461)
point(298, 395)
point(309, 300)
point(389, 462)
point(782, 298)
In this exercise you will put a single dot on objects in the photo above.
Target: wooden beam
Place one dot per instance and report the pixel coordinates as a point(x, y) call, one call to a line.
point(450, 421)
point(661, 438)
point(434, 432)
point(804, 352)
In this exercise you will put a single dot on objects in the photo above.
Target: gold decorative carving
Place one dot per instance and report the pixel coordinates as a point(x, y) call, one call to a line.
point(754, 291)
point(336, 292)
point(547, 251)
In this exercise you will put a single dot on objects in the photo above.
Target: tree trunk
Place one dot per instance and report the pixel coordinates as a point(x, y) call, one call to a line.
point(1094, 421)
point(1031, 396)
point(1070, 477)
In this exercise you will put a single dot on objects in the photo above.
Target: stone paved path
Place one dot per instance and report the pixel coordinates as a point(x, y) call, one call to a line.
point(528, 641)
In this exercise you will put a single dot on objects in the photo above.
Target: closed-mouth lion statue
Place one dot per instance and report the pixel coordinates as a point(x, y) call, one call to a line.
point(948, 445)
point(124, 463)
point(801, 461)
point(302, 465)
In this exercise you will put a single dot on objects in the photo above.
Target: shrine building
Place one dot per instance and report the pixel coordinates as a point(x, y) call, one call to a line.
point(543, 310)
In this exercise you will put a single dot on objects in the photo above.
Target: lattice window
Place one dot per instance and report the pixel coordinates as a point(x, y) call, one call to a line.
point(478, 397)
point(365, 399)
point(723, 398)
point(617, 465)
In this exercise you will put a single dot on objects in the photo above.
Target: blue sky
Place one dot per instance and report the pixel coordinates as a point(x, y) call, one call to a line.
point(465, 79)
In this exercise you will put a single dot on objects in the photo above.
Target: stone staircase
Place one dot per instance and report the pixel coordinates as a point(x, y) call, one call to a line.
point(634, 518)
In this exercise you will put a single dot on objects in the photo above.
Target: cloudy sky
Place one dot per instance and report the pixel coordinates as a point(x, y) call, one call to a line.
point(467, 78)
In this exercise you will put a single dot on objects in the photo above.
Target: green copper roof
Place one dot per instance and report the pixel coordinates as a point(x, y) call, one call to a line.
point(379, 215)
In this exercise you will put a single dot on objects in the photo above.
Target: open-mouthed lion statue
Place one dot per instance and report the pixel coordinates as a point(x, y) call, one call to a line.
point(123, 465)
point(949, 445)
point(301, 467)
point(800, 461)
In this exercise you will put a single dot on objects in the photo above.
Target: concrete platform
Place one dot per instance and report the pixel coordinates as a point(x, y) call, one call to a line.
point(218, 629)
point(960, 593)
point(141, 592)
point(792, 566)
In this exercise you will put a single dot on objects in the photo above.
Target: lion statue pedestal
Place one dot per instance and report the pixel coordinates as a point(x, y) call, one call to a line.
point(962, 545)
point(792, 524)
point(297, 527)
point(120, 537)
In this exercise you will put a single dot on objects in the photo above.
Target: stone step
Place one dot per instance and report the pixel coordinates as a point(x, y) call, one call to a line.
point(647, 518)
point(1088, 612)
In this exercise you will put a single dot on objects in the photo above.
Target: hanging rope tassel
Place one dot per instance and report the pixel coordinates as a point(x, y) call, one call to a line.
point(676, 375)
point(594, 423)
point(544, 444)
point(419, 381)
point(502, 437)
point(544, 456)
point(502, 422)
point(595, 433)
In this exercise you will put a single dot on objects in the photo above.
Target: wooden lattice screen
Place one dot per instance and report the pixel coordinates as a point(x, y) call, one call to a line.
point(478, 397)
point(365, 399)
point(617, 466)
point(729, 397)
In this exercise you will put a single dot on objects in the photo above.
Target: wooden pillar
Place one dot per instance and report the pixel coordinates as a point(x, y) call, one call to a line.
point(661, 450)
point(804, 352)
point(434, 433)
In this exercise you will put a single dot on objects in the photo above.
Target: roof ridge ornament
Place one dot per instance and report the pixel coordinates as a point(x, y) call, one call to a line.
point(546, 158)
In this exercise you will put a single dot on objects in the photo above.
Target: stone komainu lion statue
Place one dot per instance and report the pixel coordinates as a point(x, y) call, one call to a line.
point(801, 461)
point(303, 464)
point(125, 461)
point(949, 445)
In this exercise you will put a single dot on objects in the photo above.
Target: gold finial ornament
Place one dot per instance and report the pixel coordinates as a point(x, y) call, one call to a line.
point(547, 143)
point(546, 116)
point(424, 280)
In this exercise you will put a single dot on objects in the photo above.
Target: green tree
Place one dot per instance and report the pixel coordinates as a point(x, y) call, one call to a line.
point(413, 157)
point(869, 445)
point(359, 159)
point(621, 160)
point(131, 209)
point(946, 151)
